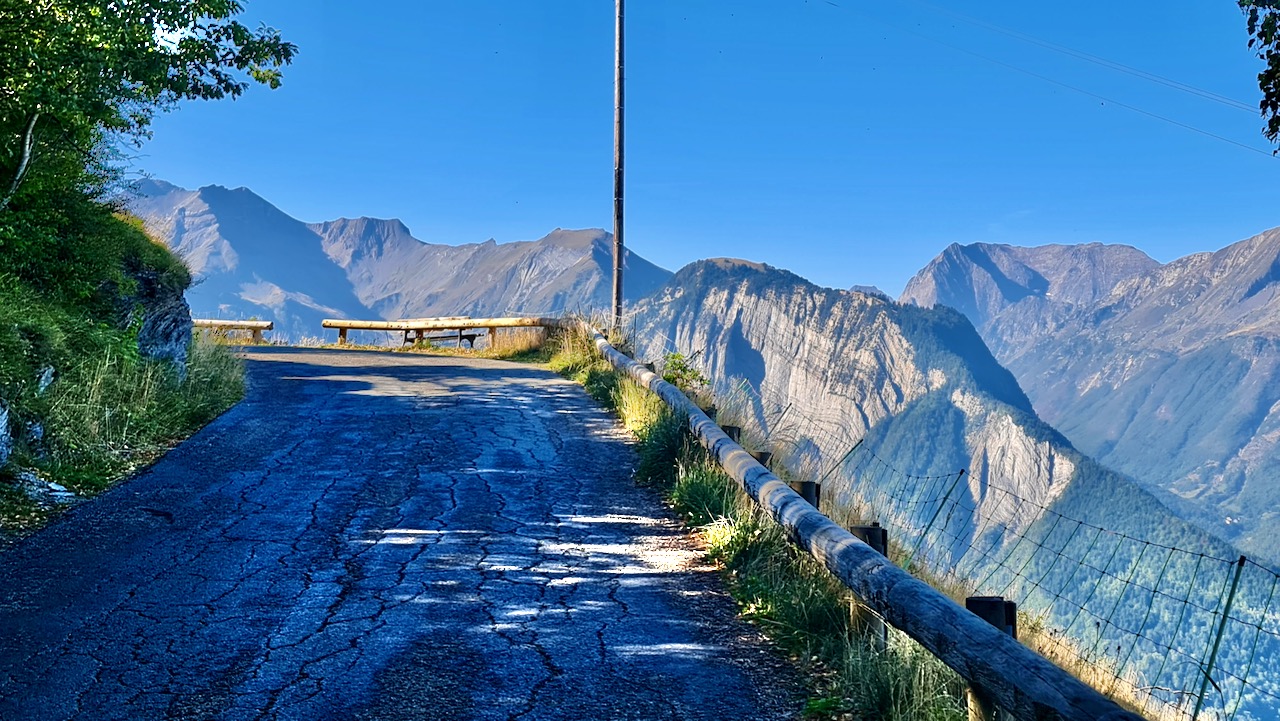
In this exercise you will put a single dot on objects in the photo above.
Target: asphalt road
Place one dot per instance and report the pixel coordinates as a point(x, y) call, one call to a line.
point(381, 536)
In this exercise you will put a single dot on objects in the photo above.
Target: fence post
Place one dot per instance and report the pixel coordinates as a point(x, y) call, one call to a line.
point(1003, 615)
point(810, 491)
point(840, 462)
point(762, 457)
point(877, 537)
point(1217, 641)
point(734, 433)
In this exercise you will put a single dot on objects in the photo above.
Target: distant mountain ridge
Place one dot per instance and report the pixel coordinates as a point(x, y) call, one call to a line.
point(251, 259)
point(400, 276)
point(1170, 373)
point(861, 366)
point(909, 421)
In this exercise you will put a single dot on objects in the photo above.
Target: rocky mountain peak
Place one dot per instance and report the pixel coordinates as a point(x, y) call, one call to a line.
point(1170, 373)
point(577, 239)
point(983, 280)
point(254, 260)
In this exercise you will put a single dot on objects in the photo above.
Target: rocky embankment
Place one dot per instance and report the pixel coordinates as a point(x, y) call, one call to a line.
point(156, 308)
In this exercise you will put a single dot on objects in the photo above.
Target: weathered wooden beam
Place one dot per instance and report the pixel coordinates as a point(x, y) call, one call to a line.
point(441, 323)
point(219, 324)
point(1018, 679)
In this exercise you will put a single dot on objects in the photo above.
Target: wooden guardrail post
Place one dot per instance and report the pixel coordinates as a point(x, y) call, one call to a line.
point(877, 537)
point(810, 491)
point(762, 457)
point(342, 336)
point(1003, 615)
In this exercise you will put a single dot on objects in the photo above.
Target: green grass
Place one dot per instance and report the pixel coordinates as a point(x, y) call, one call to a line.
point(574, 357)
point(67, 304)
point(113, 412)
point(777, 586)
point(808, 612)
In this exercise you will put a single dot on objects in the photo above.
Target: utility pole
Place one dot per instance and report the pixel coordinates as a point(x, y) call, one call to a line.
point(618, 115)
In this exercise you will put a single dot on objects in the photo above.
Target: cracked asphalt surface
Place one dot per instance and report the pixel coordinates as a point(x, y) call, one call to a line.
point(381, 536)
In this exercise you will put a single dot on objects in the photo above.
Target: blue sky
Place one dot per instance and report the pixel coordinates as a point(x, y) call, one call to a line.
point(847, 141)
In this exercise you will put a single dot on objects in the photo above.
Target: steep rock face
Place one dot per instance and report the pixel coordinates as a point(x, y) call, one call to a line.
point(1010, 292)
point(1077, 545)
point(165, 329)
point(400, 276)
point(1168, 373)
point(917, 385)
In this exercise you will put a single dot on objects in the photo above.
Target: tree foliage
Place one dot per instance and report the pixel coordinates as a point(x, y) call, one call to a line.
point(77, 71)
point(1264, 39)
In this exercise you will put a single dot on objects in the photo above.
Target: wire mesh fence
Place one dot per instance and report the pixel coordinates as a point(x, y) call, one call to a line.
point(1172, 632)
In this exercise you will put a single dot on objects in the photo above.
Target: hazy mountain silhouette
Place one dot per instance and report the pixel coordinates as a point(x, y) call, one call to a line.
point(1169, 373)
point(252, 260)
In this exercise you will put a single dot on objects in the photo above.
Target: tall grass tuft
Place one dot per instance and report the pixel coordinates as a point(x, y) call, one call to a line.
point(114, 411)
point(574, 356)
point(810, 613)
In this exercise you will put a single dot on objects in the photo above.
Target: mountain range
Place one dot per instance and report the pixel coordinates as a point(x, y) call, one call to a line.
point(1169, 373)
point(1100, 404)
point(250, 259)
point(1165, 372)
point(909, 421)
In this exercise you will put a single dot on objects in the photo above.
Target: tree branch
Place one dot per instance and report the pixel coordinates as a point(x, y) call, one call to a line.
point(28, 142)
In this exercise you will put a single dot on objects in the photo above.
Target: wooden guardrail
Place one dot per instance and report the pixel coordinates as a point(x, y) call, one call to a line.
point(255, 326)
point(419, 327)
point(1017, 679)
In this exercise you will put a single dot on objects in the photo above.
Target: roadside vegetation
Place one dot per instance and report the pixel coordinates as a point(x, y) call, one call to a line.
point(857, 673)
point(81, 403)
point(83, 407)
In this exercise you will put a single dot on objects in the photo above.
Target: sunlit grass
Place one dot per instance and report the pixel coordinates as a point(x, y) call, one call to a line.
point(777, 586)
